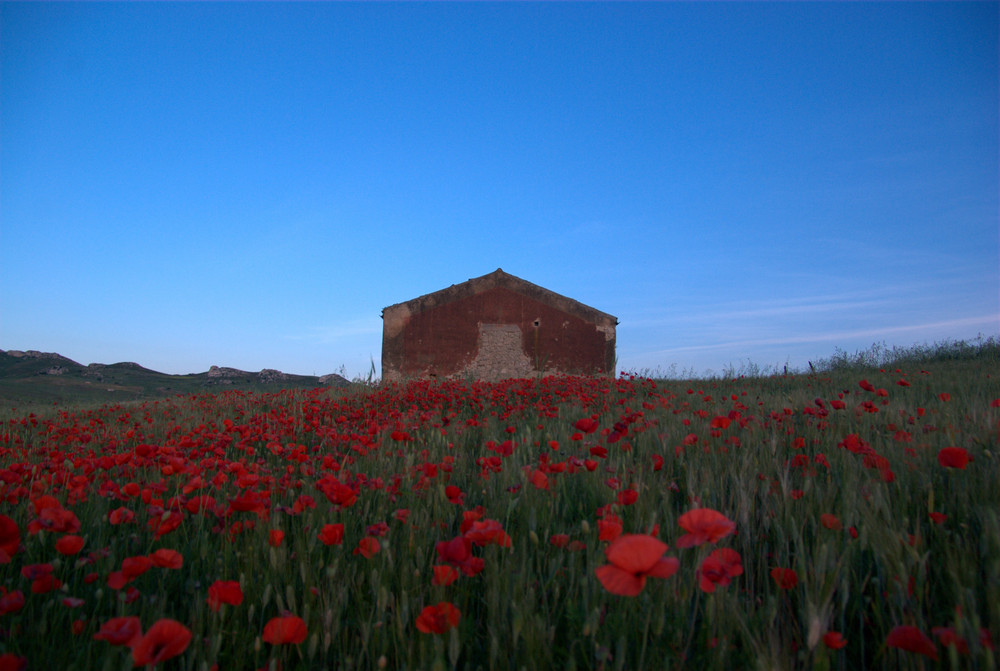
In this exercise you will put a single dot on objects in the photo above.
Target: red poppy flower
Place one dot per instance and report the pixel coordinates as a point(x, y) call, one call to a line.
point(834, 640)
point(163, 524)
point(785, 578)
point(69, 544)
point(627, 497)
point(368, 547)
point(609, 528)
point(539, 479)
point(559, 540)
point(11, 662)
point(120, 515)
point(486, 532)
point(587, 425)
point(631, 559)
point(454, 494)
point(703, 525)
point(11, 602)
point(53, 517)
point(953, 457)
point(36, 571)
point(285, 629)
point(946, 636)
point(830, 522)
point(439, 618)
point(274, 537)
point(45, 584)
point(458, 552)
point(332, 534)
point(444, 575)
point(911, 639)
point(167, 558)
point(718, 567)
point(133, 567)
point(10, 538)
point(120, 631)
point(165, 640)
point(720, 423)
point(224, 591)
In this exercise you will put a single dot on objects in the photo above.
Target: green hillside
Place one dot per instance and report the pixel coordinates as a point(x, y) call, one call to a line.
point(30, 379)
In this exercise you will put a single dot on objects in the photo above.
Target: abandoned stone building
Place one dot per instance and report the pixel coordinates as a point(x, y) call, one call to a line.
point(494, 327)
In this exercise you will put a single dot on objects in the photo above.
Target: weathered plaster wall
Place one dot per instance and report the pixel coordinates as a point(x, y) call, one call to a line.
point(493, 334)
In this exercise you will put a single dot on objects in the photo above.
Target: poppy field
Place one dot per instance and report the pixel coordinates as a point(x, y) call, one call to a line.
point(839, 520)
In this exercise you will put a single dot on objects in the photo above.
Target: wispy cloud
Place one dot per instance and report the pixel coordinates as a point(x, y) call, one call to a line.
point(927, 329)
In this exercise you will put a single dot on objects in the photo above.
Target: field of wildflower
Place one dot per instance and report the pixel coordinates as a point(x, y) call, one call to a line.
point(847, 519)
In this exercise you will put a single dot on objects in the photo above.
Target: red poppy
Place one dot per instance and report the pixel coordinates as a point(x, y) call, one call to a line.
point(45, 584)
point(444, 575)
point(720, 423)
point(11, 662)
point(285, 629)
point(133, 567)
point(609, 528)
point(539, 479)
point(167, 558)
point(785, 578)
point(10, 538)
point(165, 640)
point(120, 631)
point(587, 425)
point(946, 636)
point(53, 517)
point(11, 602)
point(69, 544)
point(830, 522)
point(454, 494)
point(36, 571)
point(627, 497)
point(486, 532)
point(439, 618)
point(559, 540)
point(224, 591)
point(631, 559)
point(117, 580)
point(163, 524)
point(911, 639)
point(953, 457)
point(368, 547)
point(274, 537)
point(718, 567)
point(332, 534)
point(458, 552)
point(834, 640)
point(120, 515)
point(704, 525)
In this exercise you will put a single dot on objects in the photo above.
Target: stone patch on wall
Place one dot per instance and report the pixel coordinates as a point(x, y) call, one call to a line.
point(500, 354)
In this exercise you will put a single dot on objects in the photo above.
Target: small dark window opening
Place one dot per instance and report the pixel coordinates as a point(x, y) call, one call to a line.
point(537, 323)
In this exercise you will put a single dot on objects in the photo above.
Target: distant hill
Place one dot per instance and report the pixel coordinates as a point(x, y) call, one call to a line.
point(35, 378)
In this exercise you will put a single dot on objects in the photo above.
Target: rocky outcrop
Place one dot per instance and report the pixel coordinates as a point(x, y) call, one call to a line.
point(271, 375)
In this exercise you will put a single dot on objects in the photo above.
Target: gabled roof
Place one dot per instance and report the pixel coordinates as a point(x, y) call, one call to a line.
point(499, 279)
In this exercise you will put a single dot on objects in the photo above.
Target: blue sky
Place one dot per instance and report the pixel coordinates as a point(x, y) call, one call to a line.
point(248, 185)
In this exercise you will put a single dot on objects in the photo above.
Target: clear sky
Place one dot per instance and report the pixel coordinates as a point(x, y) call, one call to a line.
point(248, 185)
